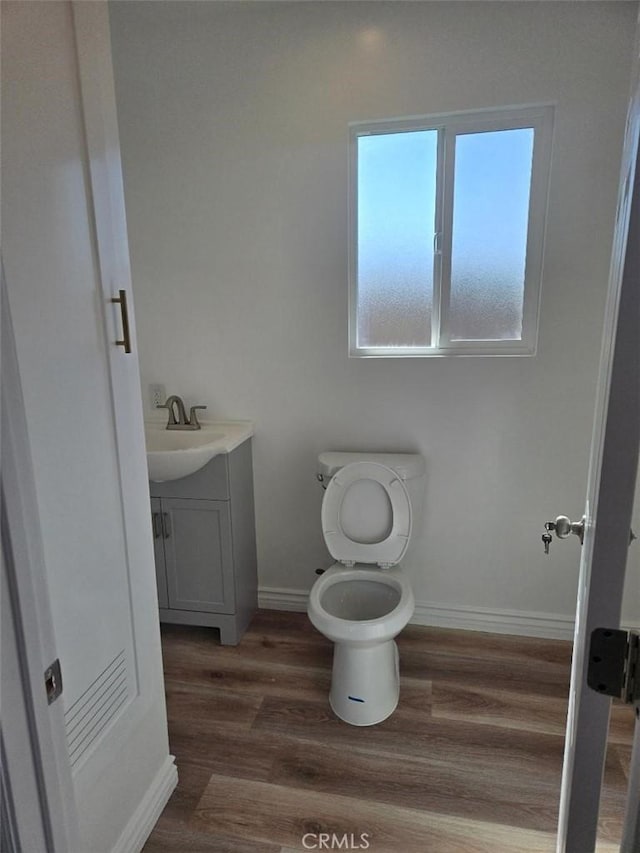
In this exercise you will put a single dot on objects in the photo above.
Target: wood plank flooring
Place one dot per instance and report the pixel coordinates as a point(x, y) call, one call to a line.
point(470, 762)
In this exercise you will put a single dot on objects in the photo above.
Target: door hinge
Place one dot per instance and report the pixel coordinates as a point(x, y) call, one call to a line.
point(53, 681)
point(614, 663)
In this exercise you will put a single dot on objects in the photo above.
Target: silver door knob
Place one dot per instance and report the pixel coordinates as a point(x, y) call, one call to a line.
point(563, 527)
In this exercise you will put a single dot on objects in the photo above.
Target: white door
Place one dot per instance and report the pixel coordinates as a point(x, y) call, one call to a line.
point(609, 505)
point(66, 258)
point(32, 736)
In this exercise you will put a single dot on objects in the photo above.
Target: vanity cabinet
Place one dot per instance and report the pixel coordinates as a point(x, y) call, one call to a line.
point(205, 550)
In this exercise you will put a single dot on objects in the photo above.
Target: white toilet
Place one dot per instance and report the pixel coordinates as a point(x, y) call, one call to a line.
point(363, 601)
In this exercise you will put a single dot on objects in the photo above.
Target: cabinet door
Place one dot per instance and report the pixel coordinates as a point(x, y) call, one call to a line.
point(198, 557)
point(158, 552)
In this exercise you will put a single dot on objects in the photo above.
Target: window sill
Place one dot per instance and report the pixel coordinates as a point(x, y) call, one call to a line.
point(475, 351)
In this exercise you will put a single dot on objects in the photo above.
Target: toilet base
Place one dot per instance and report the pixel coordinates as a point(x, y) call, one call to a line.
point(365, 684)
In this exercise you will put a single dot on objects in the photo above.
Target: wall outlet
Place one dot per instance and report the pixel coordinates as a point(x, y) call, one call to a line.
point(157, 395)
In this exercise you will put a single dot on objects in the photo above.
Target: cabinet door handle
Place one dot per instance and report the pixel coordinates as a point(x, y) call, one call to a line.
point(157, 532)
point(166, 525)
point(121, 300)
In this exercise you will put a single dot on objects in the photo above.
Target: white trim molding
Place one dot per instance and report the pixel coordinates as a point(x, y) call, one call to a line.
point(145, 817)
point(279, 598)
point(522, 623)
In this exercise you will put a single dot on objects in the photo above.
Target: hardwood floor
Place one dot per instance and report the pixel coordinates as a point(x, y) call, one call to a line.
point(470, 761)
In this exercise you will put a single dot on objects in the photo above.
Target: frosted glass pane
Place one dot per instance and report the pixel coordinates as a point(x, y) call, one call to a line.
point(396, 221)
point(490, 218)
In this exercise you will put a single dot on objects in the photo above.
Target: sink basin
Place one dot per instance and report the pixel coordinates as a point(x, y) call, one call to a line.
point(173, 454)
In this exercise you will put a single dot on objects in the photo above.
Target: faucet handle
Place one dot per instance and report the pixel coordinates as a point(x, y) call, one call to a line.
point(193, 418)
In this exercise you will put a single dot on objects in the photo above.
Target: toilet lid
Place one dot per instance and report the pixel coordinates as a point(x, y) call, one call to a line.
point(389, 551)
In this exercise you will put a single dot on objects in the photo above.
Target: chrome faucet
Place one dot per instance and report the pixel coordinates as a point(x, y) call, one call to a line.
point(180, 420)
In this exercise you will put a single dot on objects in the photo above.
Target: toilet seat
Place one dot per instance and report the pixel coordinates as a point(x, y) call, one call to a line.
point(389, 551)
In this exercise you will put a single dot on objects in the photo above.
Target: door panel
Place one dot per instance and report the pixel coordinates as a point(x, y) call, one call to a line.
point(65, 253)
point(609, 503)
point(62, 355)
point(198, 555)
point(23, 821)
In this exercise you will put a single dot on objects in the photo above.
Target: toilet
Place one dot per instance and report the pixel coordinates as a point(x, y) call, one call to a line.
point(364, 600)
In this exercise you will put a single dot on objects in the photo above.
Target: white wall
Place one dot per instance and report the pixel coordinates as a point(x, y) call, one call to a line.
point(234, 139)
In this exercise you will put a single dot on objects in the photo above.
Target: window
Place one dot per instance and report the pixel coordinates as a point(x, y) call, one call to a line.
point(447, 225)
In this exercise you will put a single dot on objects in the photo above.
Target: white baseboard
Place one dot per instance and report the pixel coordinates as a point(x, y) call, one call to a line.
point(522, 623)
point(494, 621)
point(279, 598)
point(145, 817)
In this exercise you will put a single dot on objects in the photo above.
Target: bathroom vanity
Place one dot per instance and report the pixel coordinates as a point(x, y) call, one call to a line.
point(205, 545)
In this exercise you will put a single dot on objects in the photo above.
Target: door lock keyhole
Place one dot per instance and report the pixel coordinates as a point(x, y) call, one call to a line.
point(563, 527)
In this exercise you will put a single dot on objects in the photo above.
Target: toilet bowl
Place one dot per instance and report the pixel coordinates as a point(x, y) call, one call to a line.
point(364, 600)
point(361, 610)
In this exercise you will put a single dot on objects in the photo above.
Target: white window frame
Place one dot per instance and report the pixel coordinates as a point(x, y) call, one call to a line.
point(449, 126)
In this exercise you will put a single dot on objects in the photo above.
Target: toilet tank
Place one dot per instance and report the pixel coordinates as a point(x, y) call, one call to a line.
point(410, 467)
